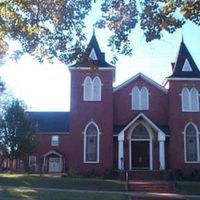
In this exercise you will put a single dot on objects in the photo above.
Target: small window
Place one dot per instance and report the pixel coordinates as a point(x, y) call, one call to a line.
point(93, 55)
point(186, 66)
point(32, 161)
point(54, 140)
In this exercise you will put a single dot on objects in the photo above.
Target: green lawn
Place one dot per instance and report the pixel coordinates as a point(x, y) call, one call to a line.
point(31, 194)
point(188, 187)
point(58, 182)
point(24, 187)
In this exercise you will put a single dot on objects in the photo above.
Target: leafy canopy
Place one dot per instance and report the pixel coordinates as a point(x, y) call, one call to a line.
point(17, 132)
point(50, 29)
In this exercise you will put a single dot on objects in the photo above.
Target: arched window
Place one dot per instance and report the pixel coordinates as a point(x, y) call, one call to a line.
point(140, 132)
point(91, 143)
point(135, 98)
point(194, 96)
point(87, 89)
point(191, 144)
point(185, 95)
point(144, 98)
point(140, 98)
point(190, 100)
point(97, 89)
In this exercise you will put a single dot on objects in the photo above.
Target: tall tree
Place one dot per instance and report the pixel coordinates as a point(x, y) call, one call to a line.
point(17, 132)
point(55, 28)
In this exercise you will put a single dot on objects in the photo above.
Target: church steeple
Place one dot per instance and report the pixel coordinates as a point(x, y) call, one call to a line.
point(93, 56)
point(184, 66)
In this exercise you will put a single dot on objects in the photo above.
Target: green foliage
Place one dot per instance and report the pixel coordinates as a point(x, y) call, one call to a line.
point(17, 132)
point(49, 29)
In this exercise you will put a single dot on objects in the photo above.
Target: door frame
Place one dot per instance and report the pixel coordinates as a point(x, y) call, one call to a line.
point(60, 164)
point(150, 152)
point(150, 145)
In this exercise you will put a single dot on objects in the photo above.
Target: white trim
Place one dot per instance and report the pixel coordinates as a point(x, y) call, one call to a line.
point(198, 145)
point(89, 68)
point(148, 121)
point(136, 92)
point(93, 55)
point(150, 132)
point(189, 92)
point(121, 154)
point(184, 79)
point(92, 89)
point(152, 82)
point(52, 152)
point(98, 143)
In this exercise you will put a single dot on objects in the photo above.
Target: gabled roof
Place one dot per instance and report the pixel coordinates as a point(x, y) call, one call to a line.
point(145, 78)
point(49, 122)
point(160, 128)
point(53, 152)
point(184, 66)
point(93, 56)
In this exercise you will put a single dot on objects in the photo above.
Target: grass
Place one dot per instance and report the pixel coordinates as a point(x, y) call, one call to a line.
point(188, 187)
point(30, 194)
point(27, 187)
point(57, 182)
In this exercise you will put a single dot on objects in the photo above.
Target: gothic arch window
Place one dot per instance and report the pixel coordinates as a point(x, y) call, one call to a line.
point(92, 89)
point(194, 96)
point(140, 133)
point(87, 89)
point(190, 100)
point(140, 98)
point(91, 143)
point(185, 95)
point(135, 98)
point(144, 98)
point(191, 143)
point(97, 89)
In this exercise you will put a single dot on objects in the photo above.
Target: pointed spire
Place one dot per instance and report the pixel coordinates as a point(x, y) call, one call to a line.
point(94, 55)
point(93, 33)
point(184, 66)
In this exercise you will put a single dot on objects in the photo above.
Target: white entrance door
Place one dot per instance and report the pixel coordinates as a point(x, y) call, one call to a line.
point(55, 164)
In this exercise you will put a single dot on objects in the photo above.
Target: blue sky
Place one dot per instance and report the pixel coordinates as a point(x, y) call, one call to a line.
point(47, 86)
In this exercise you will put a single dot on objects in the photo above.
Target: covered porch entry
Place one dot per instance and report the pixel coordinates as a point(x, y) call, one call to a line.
point(53, 162)
point(141, 145)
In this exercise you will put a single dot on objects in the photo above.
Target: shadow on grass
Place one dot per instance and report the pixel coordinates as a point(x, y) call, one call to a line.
point(31, 194)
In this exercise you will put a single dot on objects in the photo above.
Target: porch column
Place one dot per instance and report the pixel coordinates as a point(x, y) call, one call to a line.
point(161, 139)
point(121, 151)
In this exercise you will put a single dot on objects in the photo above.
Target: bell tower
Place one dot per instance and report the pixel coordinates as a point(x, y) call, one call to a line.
point(91, 115)
point(184, 109)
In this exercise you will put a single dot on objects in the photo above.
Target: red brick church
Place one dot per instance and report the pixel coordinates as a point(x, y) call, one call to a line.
point(139, 124)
